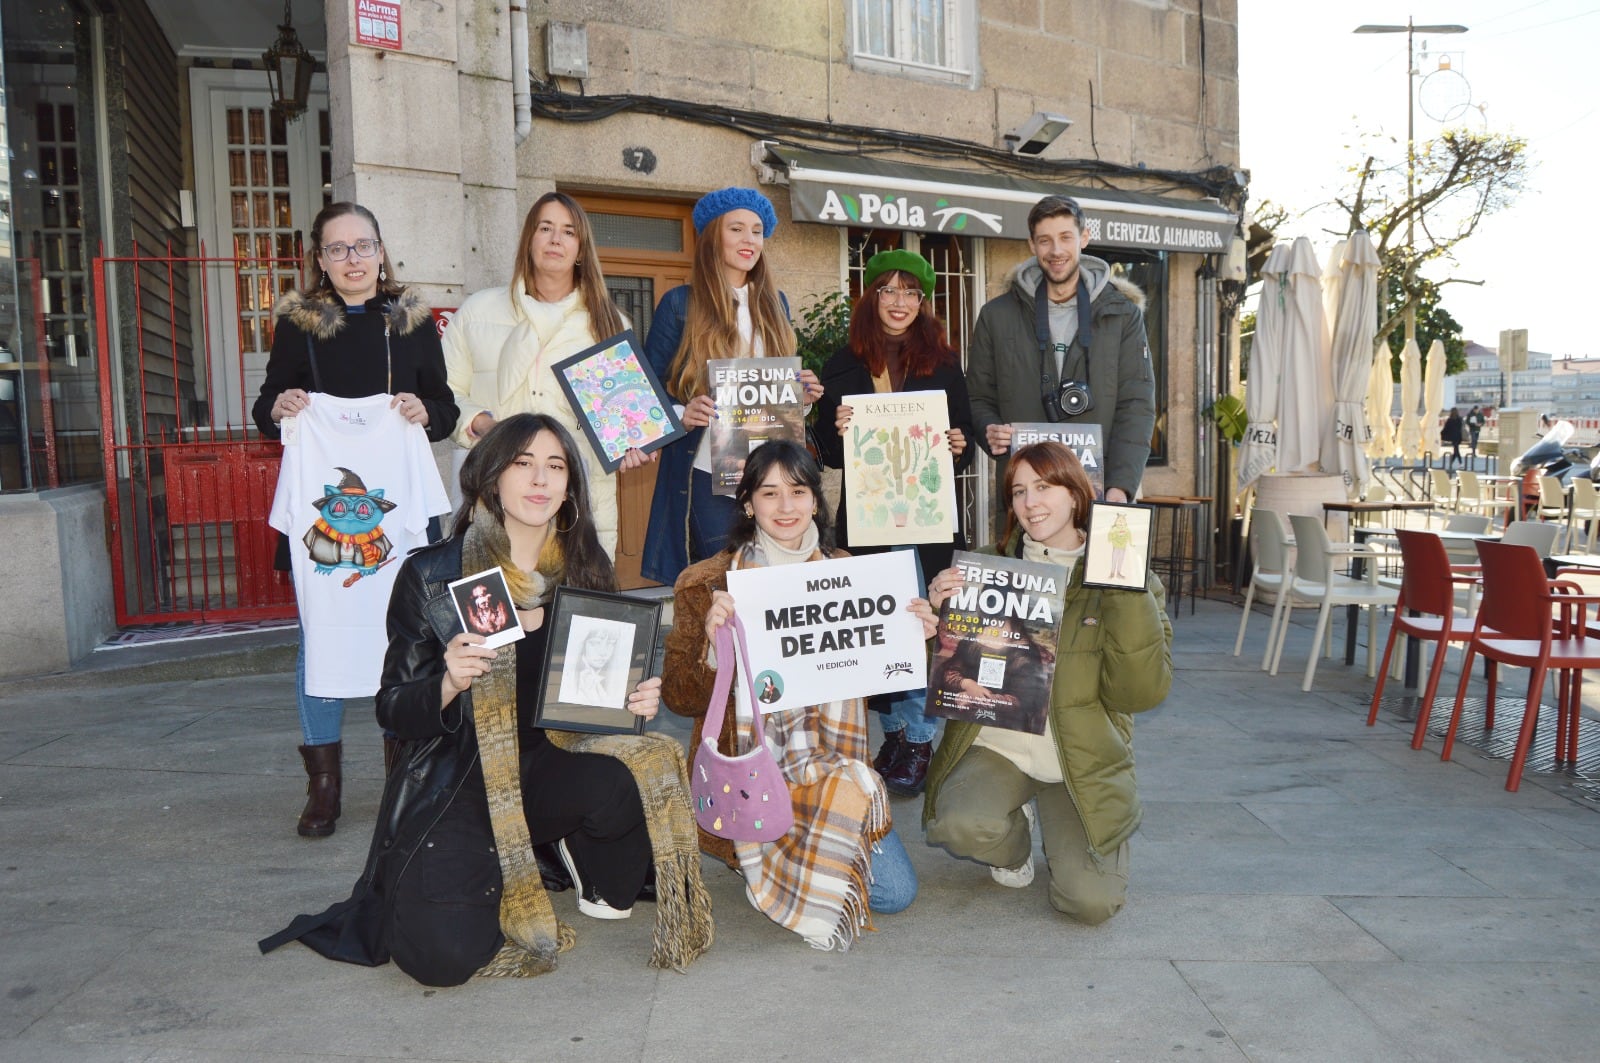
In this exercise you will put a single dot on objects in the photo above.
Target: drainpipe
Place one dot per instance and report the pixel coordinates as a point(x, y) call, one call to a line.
point(521, 77)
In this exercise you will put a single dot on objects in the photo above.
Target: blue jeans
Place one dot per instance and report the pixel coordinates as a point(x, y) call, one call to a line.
point(893, 879)
point(711, 518)
point(905, 711)
point(321, 719)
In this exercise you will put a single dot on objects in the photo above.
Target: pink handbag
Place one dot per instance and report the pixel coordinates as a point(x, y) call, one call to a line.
point(743, 798)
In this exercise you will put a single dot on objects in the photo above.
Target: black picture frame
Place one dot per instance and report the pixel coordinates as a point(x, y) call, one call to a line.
point(604, 394)
point(577, 690)
point(1102, 567)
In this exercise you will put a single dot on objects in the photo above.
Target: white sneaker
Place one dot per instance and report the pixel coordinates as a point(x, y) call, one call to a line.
point(1018, 877)
point(593, 906)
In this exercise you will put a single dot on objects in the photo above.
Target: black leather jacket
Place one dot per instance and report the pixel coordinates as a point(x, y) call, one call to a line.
point(441, 752)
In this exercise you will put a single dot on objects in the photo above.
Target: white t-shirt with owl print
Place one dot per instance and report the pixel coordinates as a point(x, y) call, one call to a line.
point(355, 491)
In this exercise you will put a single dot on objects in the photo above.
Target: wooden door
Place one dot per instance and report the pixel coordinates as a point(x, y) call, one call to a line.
point(646, 248)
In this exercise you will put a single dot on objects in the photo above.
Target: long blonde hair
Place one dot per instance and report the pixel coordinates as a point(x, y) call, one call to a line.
point(711, 328)
point(604, 317)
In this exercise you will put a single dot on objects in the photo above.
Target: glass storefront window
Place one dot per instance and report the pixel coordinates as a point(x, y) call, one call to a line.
point(49, 400)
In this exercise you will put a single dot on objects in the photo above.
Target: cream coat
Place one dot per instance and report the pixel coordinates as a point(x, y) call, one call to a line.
point(498, 360)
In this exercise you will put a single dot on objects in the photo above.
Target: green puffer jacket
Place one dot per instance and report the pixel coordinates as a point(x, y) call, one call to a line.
point(1114, 658)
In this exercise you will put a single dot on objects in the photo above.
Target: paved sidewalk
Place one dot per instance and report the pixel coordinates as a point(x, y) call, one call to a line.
point(1304, 888)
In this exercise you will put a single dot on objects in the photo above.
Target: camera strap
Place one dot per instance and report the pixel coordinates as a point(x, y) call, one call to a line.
point(1041, 331)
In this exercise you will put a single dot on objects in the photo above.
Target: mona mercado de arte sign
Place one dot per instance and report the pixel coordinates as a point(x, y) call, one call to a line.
point(852, 190)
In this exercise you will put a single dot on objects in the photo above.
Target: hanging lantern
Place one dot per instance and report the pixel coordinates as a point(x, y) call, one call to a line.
point(289, 70)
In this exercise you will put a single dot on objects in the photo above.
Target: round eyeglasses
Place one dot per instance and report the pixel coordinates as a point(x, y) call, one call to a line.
point(362, 248)
point(895, 295)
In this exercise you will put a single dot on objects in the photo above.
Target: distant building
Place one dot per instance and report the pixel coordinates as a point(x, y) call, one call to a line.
point(1575, 387)
point(1483, 384)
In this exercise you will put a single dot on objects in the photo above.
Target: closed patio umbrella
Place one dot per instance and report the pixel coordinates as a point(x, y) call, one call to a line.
point(1305, 411)
point(1380, 406)
point(1410, 396)
point(1260, 450)
point(1433, 394)
point(1355, 323)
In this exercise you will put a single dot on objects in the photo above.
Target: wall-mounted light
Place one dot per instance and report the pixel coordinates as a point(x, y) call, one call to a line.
point(1037, 133)
point(289, 70)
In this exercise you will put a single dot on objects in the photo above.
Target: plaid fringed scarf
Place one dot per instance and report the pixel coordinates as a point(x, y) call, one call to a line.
point(533, 934)
point(814, 880)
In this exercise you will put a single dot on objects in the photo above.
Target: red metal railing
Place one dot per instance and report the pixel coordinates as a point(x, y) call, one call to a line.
point(189, 481)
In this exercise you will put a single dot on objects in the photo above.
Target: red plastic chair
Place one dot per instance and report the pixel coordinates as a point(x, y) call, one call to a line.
point(1538, 624)
point(1427, 587)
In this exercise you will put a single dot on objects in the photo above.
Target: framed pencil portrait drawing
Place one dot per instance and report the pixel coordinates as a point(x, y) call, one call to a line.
point(599, 648)
point(1117, 549)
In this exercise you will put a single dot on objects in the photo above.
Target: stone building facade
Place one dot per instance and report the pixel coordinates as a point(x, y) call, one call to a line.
point(636, 107)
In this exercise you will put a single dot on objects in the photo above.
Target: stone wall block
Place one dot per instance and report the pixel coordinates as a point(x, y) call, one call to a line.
point(422, 216)
point(1032, 62)
point(709, 72)
point(760, 27)
point(869, 98)
point(483, 38)
point(791, 85)
point(1153, 33)
point(32, 640)
point(405, 115)
point(611, 68)
point(1167, 145)
point(487, 120)
point(492, 224)
point(1020, 14)
point(1222, 45)
point(1143, 87)
point(1082, 21)
point(645, 14)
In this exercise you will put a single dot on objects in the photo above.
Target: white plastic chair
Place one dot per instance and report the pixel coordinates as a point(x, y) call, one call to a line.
point(1315, 581)
point(1585, 511)
point(1470, 498)
point(1552, 501)
point(1269, 542)
point(1444, 491)
point(1541, 535)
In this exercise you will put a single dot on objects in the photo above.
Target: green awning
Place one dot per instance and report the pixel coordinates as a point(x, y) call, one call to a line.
point(855, 190)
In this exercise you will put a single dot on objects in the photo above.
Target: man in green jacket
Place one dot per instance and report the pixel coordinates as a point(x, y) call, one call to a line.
point(1018, 365)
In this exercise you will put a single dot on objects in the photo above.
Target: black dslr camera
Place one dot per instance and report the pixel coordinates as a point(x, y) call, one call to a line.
point(1071, 398)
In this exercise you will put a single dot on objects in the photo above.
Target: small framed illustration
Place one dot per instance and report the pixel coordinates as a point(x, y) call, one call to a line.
point(600, 647)
point(483, 602)
point(1117, 552)
point(618, 400)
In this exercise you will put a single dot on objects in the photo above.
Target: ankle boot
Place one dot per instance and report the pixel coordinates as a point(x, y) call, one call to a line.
point(322, 789)
point(909, 772)
point(393, 748)
point(892, 741)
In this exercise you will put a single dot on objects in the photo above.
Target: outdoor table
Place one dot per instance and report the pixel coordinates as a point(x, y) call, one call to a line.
point(1365, 508)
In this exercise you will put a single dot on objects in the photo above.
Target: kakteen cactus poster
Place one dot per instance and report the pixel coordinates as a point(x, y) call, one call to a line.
point(899, 479)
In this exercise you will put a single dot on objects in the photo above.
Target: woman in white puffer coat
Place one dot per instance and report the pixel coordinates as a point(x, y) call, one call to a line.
point(500, 346)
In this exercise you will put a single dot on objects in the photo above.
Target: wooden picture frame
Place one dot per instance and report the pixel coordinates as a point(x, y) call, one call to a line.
point(1117, 548)
point(599, 647)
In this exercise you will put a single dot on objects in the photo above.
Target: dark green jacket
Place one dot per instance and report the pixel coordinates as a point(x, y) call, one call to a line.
point(1004, 365)
point(1114, 659)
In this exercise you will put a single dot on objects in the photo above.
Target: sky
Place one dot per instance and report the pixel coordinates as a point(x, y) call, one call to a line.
point(1309, 86)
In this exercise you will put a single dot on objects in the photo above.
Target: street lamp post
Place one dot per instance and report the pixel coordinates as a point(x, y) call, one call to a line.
point(1411, 29)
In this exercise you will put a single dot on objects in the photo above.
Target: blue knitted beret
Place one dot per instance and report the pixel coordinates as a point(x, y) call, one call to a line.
point(714, 205)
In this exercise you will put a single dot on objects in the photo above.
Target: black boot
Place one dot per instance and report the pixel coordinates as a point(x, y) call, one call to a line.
point(892, 742)
point(322, 789)
point(909, 772)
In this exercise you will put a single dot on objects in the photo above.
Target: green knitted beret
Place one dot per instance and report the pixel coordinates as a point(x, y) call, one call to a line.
point(901, 262)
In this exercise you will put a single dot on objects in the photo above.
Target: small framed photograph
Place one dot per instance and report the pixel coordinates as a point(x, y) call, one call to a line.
point(618, 400)
point(1117, 552)
point(483, 602)
point(600, 647)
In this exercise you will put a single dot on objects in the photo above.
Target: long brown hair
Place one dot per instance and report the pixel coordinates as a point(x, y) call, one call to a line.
point(924, 347)
point(604, 317)
point(583, 561)
point(316, 281)
point(1054, 463)
point(711, 327)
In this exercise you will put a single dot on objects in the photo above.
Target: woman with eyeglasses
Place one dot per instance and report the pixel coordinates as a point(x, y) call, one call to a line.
point(897, 343)
point(353, 331)
point(502, 345)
